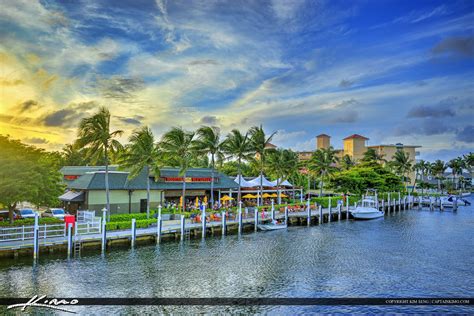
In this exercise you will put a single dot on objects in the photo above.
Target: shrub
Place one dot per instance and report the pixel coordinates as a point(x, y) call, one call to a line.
point(31, 222)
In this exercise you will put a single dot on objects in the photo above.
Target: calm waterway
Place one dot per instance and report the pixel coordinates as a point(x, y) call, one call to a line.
point(407, 254)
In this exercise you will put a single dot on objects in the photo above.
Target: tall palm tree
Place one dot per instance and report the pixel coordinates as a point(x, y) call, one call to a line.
point(238, 146)
point(209, 143)
point(179, 150)
point(259, 142)
point(438, 168)
point(469, 162)
point(142, 153)
point(283, 163)
point(403, 164)
point(323, 164)
point(421, 168)
point(372, 156)
point(347, 162)
point(94, 134)
point(456, 166)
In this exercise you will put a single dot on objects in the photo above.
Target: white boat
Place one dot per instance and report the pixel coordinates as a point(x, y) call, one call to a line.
point(448, 201)
point(272, 226)
point(464, 194)
point(367, 209)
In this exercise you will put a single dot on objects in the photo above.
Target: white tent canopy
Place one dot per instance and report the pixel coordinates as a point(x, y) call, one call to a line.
point(285, 183)
point(256, 182)
point(243, 183)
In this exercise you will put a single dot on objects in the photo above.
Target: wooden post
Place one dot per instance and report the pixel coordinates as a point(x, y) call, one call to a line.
point(273, 210)
point(134, 231)
point(159, 226)
point(330, 210)
point(339, 212)
point(104, 235)
point(69, 240)
point(320, 214)
point(240, 221)
point(224, 226)
point(347, 207)
point(203, 220)
point(308, 205)
point(383, 206)
point(256, 218)
point(286, 215)
point(36, 238)
point(183, 227)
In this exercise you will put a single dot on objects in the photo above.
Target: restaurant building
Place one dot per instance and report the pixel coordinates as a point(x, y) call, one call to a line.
point(86, 188)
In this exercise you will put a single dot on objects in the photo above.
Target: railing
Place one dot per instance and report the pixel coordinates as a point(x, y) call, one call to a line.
point(27, 232)
point(90, 227)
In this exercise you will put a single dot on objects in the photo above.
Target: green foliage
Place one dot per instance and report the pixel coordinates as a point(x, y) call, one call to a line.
point(27, 174)
point(323, 164)
point(360, 178)
point(324, 201)
point(31, 221)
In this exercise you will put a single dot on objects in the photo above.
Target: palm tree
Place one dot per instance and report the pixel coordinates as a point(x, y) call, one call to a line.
point(347, 162)
point(372, 156)
point(238, 146)
point(323, 164)
point(179, 150)
point(438, 168)
point(283, 163)
point(456, 166)
point(142, 153)
point(421, 168)
point(209, 143)
point(469, 162)
point(94, 134)
point(259, 143)
point(403, 164)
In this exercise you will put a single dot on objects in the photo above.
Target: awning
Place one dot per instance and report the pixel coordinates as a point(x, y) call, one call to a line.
point(243, 183)
point(72, 196)
point(285, 183)
point(256, 182)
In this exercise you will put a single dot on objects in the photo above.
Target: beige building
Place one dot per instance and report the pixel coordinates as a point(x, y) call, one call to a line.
point(356, 145)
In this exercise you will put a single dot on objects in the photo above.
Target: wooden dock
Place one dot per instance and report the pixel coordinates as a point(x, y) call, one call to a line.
point(182, 230)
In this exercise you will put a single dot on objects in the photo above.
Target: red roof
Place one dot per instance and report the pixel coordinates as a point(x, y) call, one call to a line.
point(323, 135)
point(356, 136)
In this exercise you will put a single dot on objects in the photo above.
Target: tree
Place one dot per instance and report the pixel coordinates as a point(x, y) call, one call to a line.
point(94, 134)
point(179, 150)
point(421, 169)
point(456, 169)
point(142, 154)
point(27, 174)
point(238, 146)
point(469, 162)
point(438, 168)
point(402, 164)
point(259, 142)
point(347, 162)
point(371, 156)
point(73, 156)
point(362, 177)
point(323, 164)
point(282, 163)
point(209, 143)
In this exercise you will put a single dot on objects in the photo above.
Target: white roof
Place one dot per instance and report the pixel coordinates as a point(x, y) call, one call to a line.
point(256, 182)
point(285, 183)
point(243, 183)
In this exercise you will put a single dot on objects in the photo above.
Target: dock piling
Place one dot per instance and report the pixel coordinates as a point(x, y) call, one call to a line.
point(159, 226)
point(36, 238)
point(104, 235)
point(308, 210)
point(223, 223)
point(69, 240)
point(240, 221)
point(286, 215)
point(134, 231)
point(183, 227)
point(347, 207)
point(320, 214)
point(203, 221)
point(256, 218)
point(339, 212)
point(273, 210)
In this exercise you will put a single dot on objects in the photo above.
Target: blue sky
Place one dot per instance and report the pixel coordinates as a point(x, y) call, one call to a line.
point(394, 71)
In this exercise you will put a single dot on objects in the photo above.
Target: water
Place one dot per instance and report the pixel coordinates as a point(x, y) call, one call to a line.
point(407, 254)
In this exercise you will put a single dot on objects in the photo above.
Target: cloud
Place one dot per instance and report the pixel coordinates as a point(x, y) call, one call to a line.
point(60, 118)
point(463, 46)
point(345, 83)
point(15, 82)
point(209, 120)
point(425, 127)
point(349, 116)
point(466, 134)
point(27, 105)
point(121, 88)
point(203, 62)
point(430, 111)
point(35, 140)
point(135, 120)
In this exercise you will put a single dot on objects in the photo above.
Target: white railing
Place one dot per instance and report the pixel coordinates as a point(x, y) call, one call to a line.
point(27, 232)
point(90, 227)
point(85, 216)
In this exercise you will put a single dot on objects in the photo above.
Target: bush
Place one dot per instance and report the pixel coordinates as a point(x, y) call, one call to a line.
point(124, 225)
point(31, 222)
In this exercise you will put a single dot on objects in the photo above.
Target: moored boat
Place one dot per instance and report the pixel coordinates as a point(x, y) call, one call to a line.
point(366, 209)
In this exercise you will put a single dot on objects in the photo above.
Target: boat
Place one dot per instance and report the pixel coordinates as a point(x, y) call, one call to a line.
point(367, 209)
point(448, 201)
point(272, 226)
point(465, 194)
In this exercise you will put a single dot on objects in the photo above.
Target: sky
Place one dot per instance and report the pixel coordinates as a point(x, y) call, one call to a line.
point(393, 71)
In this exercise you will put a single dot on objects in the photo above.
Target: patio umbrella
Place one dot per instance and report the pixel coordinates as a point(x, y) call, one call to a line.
point(226, 198)
point(266, 195)
point(196, 202)
point(205, 200)
point(249, 196)
point(273, 195)
point(283, 195)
